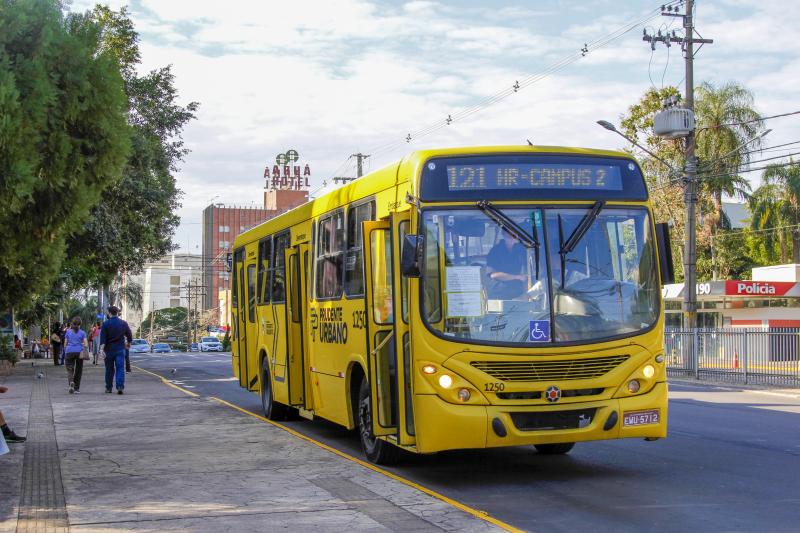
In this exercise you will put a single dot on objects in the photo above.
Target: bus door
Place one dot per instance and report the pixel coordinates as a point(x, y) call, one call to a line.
point(240, 312)
point(250, 322)
point(387, 333)
point(296, 310)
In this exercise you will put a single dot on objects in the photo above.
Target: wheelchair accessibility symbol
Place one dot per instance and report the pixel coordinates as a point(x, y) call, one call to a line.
point(539, 331)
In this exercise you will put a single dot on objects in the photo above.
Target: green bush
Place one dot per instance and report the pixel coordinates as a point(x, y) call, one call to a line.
point(7, 352)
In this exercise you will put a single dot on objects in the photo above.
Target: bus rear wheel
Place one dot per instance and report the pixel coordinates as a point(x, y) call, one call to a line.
point(272, 409)
point(554, 449)
point(376, 450)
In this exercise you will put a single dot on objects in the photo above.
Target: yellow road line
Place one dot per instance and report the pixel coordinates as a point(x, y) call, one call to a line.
point(168, 383)
point(483, 515)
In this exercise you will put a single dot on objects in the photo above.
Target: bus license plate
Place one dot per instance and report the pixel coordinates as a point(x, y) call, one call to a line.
point(641, 418)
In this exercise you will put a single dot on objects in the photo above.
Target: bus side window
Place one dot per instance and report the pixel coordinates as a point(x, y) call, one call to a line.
point(330, 255)
point(264, 250)
point(354, 257)
point(278, 268)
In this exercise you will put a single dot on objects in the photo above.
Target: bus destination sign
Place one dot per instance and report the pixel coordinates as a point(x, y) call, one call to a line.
point(533, 176)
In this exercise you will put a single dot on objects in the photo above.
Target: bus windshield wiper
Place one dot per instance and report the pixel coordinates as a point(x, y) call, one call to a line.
point(577, 234)
point(508, 225)
point(502, 220)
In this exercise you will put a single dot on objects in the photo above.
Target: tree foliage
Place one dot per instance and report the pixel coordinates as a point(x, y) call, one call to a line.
point(727, 123)
point(135, 221)
point(63, 138)
point(775, 206)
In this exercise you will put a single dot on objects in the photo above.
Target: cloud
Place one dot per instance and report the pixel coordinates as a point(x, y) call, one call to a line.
point(330, 78)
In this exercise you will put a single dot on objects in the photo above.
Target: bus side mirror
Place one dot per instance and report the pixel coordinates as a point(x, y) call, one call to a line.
point(665, 265)
point(411, 256)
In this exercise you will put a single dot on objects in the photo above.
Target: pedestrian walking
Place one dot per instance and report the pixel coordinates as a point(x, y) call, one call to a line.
point(63, 334)
point(8, 433)
point(76, 349)
point(95, 338)
point(55, 343)
point(115, 338)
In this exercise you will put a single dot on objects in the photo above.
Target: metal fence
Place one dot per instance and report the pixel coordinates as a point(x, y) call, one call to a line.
point(737, 355)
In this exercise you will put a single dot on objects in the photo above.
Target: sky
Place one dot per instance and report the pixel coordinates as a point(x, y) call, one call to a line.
point(330, 78)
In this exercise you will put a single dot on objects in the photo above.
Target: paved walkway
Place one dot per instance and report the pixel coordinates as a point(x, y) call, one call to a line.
point(156, 459)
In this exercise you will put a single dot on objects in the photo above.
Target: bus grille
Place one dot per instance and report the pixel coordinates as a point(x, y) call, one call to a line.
point(550, 370)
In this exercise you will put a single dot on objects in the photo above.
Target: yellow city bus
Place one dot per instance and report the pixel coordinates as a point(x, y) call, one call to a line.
point(462, 298)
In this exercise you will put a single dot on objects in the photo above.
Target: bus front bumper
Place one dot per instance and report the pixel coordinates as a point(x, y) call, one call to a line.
point(444, 426)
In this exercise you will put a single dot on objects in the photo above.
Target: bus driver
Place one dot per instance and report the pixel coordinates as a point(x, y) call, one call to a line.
point(506, 264)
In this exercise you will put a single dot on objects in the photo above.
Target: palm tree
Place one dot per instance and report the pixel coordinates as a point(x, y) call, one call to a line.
point(776, 204)
point(727, 127)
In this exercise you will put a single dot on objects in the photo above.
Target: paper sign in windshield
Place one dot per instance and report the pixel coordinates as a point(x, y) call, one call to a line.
point(463, 279)
point(463, 304)
point(539, 331)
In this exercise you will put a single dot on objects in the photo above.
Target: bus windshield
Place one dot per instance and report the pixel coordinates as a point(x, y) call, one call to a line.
point(539, 275)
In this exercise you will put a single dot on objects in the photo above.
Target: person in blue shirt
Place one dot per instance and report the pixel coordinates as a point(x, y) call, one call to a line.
point(115, 338)
point(74, 343)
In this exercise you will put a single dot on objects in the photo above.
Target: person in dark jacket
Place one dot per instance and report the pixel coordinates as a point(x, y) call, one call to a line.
point(115, 339)
point(55, 343)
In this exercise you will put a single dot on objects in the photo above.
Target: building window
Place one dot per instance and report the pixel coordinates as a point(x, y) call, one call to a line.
point(224, 229)
point(174, 291)
point(224, 245)
point(354, 257)
point(174, 280)
point(330, 255)
point(264, 256)
point(175, 302)
point(278, 270)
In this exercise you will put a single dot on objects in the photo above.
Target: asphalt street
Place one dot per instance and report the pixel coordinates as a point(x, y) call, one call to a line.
point(731, 463)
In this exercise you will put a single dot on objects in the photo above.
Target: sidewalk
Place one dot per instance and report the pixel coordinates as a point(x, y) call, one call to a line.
point(742, 387)
point(156, 459)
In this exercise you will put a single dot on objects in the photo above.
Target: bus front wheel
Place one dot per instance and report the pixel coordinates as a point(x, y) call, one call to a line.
point(554, 449)
point(272, 409)
point(377, 451)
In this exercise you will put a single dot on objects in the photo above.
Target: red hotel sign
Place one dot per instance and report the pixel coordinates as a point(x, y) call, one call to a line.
point(757, 288)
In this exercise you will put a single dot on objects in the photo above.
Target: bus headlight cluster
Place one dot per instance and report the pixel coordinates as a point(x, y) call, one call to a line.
point(464, 395)
point(649, 371)
point(634, 386)
point(445, 381)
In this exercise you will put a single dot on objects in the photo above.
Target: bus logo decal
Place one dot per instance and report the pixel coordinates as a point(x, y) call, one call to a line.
point(552, 394)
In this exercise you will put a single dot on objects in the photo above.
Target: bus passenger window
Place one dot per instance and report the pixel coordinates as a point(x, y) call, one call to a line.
point(264, 250)
point(354, 257)
point(278, 270)
point(330, 255)
point(251, 293)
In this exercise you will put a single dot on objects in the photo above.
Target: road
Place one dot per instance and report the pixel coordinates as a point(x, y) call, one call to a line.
point(731, 463)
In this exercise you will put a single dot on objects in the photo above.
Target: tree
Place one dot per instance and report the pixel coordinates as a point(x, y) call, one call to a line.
point(136, 220)
point(775, 206)
point(63, 138)
point(726, 136)
point(664, 185)
point(164, 323)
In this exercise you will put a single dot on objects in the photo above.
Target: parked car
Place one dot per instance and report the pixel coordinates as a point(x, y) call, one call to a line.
point(139, 346)
point(210, 344)
point(194, 347)
point(161, 347)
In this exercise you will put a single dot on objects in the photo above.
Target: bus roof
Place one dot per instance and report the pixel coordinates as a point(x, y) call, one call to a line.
point(398, 172)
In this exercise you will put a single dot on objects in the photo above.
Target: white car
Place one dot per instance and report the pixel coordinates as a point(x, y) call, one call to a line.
point(210, 344)
point(140, 346)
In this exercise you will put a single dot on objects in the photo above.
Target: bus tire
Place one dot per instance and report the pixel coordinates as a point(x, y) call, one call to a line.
point(272, 409)
point(376, 450)
point(554, 449)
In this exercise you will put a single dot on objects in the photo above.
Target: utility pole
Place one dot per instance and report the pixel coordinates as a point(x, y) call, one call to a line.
point(690, 169)
point(360, 163)
point(188, 312)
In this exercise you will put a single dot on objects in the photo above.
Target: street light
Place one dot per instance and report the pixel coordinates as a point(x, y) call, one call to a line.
point(610, 127)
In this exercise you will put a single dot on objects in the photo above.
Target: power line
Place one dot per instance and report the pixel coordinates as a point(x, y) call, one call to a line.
point(759, 119)
point(525, 82)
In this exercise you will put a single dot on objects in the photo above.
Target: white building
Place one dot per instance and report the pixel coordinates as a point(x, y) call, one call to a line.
point(166, 283)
